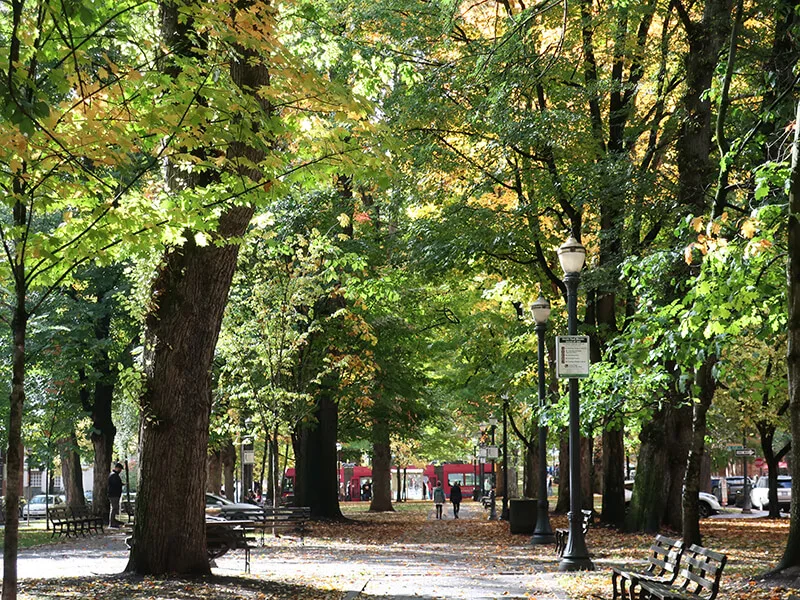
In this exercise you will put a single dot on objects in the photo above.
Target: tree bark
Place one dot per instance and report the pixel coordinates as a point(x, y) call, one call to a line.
point(71, 472)
point(791, 555)
point(182, 331)
point(613, 511)
point(19, 325)
point(704, 379)
point(381, 468)
point(228, 457)
point(316, 480)
point(214, 479)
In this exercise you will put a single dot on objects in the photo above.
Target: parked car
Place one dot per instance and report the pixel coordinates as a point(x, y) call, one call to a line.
point(735, 487)
point(38, 505)
point(760, 492)
point(708, 505)
point(233, 511)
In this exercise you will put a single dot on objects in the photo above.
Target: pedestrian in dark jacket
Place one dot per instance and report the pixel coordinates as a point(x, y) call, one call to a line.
point(456, 497)
point(114, 494)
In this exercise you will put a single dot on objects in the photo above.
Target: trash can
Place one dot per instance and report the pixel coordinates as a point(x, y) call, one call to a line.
point(522, 515)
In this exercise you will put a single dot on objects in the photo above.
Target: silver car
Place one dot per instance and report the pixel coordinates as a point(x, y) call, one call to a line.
point(38, 505)
point(234, 511)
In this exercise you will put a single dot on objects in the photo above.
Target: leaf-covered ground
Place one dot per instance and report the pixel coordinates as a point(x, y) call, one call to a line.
point(409, 555)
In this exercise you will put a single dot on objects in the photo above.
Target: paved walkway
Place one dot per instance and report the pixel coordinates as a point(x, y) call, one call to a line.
point(432, 560)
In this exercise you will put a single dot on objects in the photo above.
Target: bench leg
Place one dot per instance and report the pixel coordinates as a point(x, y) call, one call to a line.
point(246, 559)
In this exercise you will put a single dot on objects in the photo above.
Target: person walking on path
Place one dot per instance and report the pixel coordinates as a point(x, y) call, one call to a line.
point(438, 499)
point(455, 498)
point(114, 495)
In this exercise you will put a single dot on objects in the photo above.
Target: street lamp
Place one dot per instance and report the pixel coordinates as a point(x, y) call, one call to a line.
point(493, 487)
point(504, 512)
point(572, 255)
point(543, 532)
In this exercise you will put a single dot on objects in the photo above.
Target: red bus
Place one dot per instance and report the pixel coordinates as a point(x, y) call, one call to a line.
point(467, 474)
point(355, 482)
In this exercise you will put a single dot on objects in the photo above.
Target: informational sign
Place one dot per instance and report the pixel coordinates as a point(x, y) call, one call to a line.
point(492, 452)
point(732, 447)
point(249, 457)
point(482, 452)
point(572, 352)
point(745, 452)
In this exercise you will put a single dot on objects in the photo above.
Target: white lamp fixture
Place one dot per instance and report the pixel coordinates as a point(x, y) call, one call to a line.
point(571, 255)
point(541, 310)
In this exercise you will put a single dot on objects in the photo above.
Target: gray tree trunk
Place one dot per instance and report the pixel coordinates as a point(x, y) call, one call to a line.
point(791, 555)
point(381, 469)
point(71, 472)
point(214, 480)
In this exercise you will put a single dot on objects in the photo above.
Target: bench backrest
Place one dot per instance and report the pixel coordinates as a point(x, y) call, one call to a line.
point(702, 571)
point(79, 512)
point(58, 514)
point(665, 556)
point(291, 512)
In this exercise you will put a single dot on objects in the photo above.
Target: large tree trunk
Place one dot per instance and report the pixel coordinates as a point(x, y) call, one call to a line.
point(381, 468)
point(613, 511)
point(19, 325)
point(704, 378)
point(660, 468)
point(182, 331)
point(791, 555)
point(71, 472)
point(316, 481)
point(103, 433)
point(214, 479)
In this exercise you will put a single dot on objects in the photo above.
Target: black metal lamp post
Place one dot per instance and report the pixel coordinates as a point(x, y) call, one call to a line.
point(493, 488)
point(543, 532)
point(504, 511)
point(482, 458)
point(572, 255)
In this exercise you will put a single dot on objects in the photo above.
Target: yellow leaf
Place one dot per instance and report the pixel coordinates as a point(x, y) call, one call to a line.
point(344, 220)
point(748, 229)
point(697, 224)
point(687, 254)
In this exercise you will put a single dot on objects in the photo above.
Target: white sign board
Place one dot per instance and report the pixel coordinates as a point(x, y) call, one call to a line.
point(572, 356)
point(492, 452)
point(249, 457)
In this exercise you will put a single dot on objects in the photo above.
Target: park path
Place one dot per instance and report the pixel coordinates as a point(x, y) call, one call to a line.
point(402, 557)
point(413, 560)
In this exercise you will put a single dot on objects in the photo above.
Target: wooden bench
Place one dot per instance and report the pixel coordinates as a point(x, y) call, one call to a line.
point(284, 517)
point(74, 520)
point(662, 567)
point(222, 536)
point(701, 573)
point(562, 535)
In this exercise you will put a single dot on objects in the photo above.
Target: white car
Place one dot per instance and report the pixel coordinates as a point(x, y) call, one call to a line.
point(708, 505)
point(37, 506)
point(759, 495)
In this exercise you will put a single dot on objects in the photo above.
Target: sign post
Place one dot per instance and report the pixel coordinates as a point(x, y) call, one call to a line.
point(572, 356)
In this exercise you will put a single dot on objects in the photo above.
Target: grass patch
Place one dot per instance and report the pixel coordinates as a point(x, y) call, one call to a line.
point(30, 537)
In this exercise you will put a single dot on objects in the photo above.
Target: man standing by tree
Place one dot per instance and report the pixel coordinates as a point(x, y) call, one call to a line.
point(114, 494)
